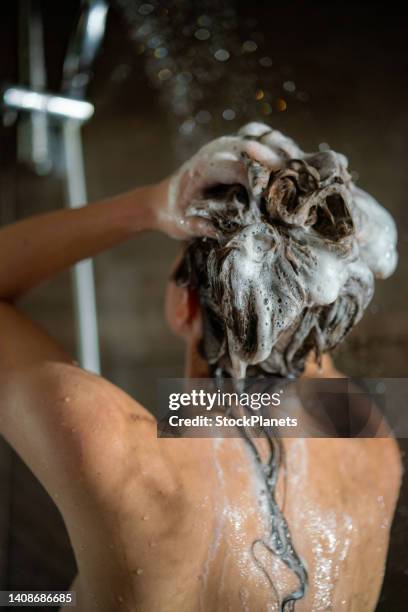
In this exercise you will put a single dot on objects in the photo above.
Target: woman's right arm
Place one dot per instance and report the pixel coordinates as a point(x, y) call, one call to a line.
point(37, 248)
point(49, 406)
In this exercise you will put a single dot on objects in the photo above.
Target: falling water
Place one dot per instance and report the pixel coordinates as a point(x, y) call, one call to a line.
point(210, 66)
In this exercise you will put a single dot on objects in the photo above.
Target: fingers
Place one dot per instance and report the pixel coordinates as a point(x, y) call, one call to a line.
point(223, 161)
point(273, 139)
point(232, 148)
point(220, 169)
point(262, 154)
point(199, 227)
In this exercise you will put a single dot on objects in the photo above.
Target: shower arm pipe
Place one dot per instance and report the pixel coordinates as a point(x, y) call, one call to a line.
point(82, 49)
point(83, 272)
point(32, 71)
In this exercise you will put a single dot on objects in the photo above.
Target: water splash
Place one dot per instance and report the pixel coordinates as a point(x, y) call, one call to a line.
point(210, 66)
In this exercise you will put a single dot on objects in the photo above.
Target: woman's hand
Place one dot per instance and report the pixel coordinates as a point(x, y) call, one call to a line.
point(222, 161)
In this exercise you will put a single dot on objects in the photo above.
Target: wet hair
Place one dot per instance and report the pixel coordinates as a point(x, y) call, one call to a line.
point(292, 267)
point(290, 271)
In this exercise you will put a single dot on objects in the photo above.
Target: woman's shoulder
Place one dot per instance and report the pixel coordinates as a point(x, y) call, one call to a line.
point(85, 425)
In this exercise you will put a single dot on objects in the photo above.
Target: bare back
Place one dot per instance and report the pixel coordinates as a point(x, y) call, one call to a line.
point(170, 525)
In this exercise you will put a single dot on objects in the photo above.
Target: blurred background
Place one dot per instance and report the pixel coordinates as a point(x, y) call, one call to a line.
point(167, 77)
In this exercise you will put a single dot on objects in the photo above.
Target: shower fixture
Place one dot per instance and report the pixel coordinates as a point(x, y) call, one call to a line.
point(50, 124)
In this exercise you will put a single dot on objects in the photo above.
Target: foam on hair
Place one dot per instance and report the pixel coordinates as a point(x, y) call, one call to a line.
point(292, 268)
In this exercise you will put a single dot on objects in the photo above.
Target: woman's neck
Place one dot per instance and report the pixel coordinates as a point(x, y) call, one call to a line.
point(197, 367)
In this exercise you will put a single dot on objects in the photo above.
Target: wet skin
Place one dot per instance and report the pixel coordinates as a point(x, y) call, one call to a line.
point(168, 525)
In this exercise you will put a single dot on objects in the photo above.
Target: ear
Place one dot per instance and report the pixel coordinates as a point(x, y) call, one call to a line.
point(183, 312)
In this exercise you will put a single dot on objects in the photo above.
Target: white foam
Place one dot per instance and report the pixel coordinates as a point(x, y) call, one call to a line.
point(279, 274)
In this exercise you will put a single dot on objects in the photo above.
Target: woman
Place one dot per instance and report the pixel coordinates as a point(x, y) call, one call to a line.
point(178, 524)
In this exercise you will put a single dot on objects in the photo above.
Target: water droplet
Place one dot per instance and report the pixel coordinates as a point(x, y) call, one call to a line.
point(289, 86)
point(203, 116)
point(202, 34)
point(222, 55)
point(155, 41)
point(164, 74)
point(228, 114)
point(187, 127)
point(160, 53)
point(144, 30)
point(146, 9)
point(266, 61)
point(249, 46)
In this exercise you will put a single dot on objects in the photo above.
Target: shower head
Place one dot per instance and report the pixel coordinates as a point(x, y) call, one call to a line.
point(83, 47)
